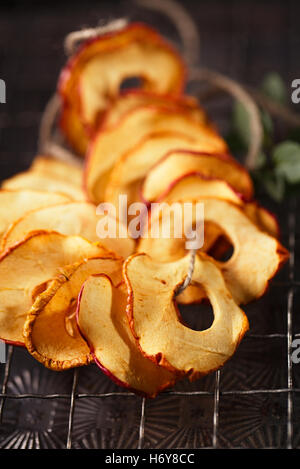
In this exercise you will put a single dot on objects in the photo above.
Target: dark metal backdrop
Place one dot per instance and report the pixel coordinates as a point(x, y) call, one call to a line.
point(254, 401)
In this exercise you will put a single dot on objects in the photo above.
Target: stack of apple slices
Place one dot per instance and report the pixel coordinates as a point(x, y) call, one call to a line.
point(73, 299)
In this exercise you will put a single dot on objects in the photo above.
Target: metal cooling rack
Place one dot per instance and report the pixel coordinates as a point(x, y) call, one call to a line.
point(289, 391)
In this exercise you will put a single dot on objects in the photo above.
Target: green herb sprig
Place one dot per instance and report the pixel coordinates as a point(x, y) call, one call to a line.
point(277, 170)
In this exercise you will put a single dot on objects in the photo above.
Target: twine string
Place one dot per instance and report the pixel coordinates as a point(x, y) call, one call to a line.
point(50, 142)
point(190, 272)
point(184, 23)
point(190, 40)
point(238, 92)
point(47, 143)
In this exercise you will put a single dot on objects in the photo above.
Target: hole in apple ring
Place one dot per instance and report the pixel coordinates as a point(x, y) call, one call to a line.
point(131, 83)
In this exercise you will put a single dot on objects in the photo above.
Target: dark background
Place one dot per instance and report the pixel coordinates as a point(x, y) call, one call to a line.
point(244, 39)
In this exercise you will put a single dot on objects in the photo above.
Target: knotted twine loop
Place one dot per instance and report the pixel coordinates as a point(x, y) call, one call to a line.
point(74, 38)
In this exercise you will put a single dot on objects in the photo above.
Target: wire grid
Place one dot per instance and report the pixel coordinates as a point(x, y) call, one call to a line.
point(217, 394)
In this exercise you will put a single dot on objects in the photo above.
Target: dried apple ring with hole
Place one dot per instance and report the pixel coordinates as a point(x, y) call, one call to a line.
point(156, 322)
point(132, 99)
point(103, 63)
point(109, 145)
point(194, 185)
point(102, 320)
point(177, 163)
point(125, 103)
point(130, 170)
point(93, 77)
point(29, 264)
point(50, 331)
point(256, 258)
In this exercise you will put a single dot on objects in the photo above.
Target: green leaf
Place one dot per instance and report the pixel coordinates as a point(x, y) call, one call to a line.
point(268, 127)
point(274, 87)
point(241, 125)
point(261, 160)
point(286, 157)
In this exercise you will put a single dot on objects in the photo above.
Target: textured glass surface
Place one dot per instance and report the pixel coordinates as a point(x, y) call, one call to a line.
point(258, 364)
point(110, 422)
point(34, 423)
point(179, 422)
point(296, 420)
point(253, 421)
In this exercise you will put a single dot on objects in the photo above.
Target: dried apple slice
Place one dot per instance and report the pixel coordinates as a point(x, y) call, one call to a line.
point(132, 99)
point(256, 258)
point(130, 170)
point(73, 129)
point(126, 102)
point(119, 241)
point(176, 164)
point(194, 185)
point(15, 203)
point(25, 270)
point(33, 180)
point(50, 331)
point(102, 320)
point(57, 169)
point(266, 220)
point(137, 51)
point(72, 218)
point(156, 323)
point(108, 146)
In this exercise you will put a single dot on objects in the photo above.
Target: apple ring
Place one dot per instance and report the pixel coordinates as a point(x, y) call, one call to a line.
point(256, 258)
point(27, 267)
point(102, 320)
point(136, 51)
point(108, 146)
point(50, 331)
point(156, 322)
